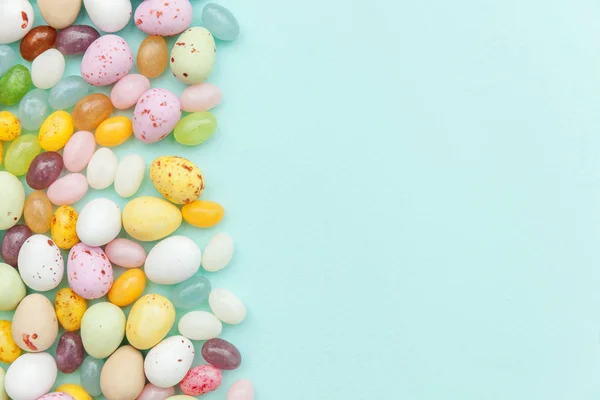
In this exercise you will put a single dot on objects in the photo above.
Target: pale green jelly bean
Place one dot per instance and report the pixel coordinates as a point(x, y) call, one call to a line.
point(8, 58)
point(12, 288)
point(14, 84)
point(34, 109)
point(89, 373)
point(195, 128)
point(21, 153)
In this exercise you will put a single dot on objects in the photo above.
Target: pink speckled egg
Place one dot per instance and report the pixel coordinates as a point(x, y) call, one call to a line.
point(163, 17)
point(89, 271)
point(201, 380)
point(107, 60)
point(156, 114)
point(56, 396)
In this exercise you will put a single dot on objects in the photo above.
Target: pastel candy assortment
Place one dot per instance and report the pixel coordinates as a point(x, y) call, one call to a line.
point(60, 140)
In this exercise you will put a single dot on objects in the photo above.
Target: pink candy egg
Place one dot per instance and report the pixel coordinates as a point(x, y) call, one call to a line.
point(128, 91)
point(56, 396)
point(241, 390)
point(200, 97)
point(125, 253)
point(155, 115)
point(79, 150)
point(107, 60)
point(89, 272)
point(68, 190)
point(163, 17)
point(201, 380)
point(152, 392)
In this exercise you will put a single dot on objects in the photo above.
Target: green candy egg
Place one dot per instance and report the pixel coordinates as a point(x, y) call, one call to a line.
point(21, 153)
point(12, 288)
point(195, 128)
point(14, 85)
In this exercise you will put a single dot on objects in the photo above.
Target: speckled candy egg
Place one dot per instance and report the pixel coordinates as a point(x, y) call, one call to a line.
point(18, 381)
point(177, 178)
point(34, 324)
point(56, 396)
point(70, 308)
point(40, 263)
point(89, 271)
point(163, 18)
point(167, 363)
point(201, 380)
point(193, 56)
point(63, 227)
point(16, 20)
point(106, 61)
point(156, 114)
point(12, 200)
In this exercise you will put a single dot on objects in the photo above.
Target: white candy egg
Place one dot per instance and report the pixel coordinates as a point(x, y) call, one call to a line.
point(30, 376)
point(226, 306)
point(109, 15)
point(47, 69)
point(99, 222)
point(173, 260)
point(12, 200)
point(130, 174)
point(16, 19)
point(102, 168)
point(200, 325)
point(218, 252)
point(40, 263)
point(167, 363)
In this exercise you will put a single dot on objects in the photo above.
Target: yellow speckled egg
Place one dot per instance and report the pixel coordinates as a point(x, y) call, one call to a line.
point(56, 131)
point(149, 218)
point(149, 321)
point(9, 351)
point(10, 127)
point(64, 227)
point(127, 288)
point(70, 308)
point(74, 390)
point(177, 178)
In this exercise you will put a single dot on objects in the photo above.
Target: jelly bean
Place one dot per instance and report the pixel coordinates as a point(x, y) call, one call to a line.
point(220, 22)
point(44, 170)
point(193, 56)
point(79, 150)
point(149, 321)
point(177, 178)
point(152, 392)
point(196, 128)
point(90, 375)
point(76, 39)
point(130, 174)
point(200, 325)
point(201, 380)
point(16, 20)
point(125, 253)
point(149, 218)
point(64, 227)
point(47, 69)
point(191, 293)
point(155, 115)
point(37, 41)
point(218, 252)
point(68, 190)
point(14, 84)
point(21, 153)
point(227, 306)
point(8, 58)
point(76, 391)
point(10, 127)
point(34, 109)
point(107, 60)
point(128, 91)
point(109, 16)
point(153, 57)
point(114, 131)
point(221, 354)
point(9, 351)
point(202, 97)
point(12, 242)
point(59, 13)
point(127, 288)
point(38, 212)
point(90, 111)
point(203, 213)
point(102, 329)
point(102, 169)
point(12, 288)
point(241, 390)
point(157, 17)
point(70, 308)
point(56, 131)
point(68, 92)
point(69, 352)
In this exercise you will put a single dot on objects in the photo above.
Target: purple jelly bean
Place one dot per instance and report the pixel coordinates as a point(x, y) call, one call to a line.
point(44, 170)
point(69, 352)
point(76, 39)
point(221, 354)
point(11, 243)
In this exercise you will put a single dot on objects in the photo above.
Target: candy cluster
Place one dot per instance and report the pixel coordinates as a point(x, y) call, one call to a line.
point(60, 141)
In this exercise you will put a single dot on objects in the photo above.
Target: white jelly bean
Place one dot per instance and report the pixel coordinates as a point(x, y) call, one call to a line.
point(200, 325)
point(102, 168)
point(218, 252)
point(47, 69)
point(227, 306)
point(130, 174)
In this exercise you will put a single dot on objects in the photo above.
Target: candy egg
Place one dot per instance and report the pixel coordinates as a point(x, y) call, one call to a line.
point(78, 151)
point(68, 190)
point(56, 396)
point(173, 260)
point(15, 83)
point(70, 308)
point(153, 56)
point(122, 376)
point(34, 325)
point(40, 263)
point(202, 97)
point(196, 128)
point(9, 351)
point(21, 153)
point(76, 39)
point(11, 244)
point(218, 252)
point(102, 168)
point(152, 392)
point(12, 289)
point(241, 390)
point(10, 127)
point(108, 58)
point(18, 381)
point(125, 253)
point(99, 222)
point(200, 325)
point(102, 329)
point(191, 293)
point(167, 363)
point(67, 92)
point(37, 41)
point(203, 213)
point(3, 395)
point(155, 115)
point(90, 375)
point(89, 272)
point(163, 18)
point(12, 200)
point(34, 109)
point(221, 354)
point(38, 212)
point(91, 110)
point(63, 227)
point(150, 218)
point(130, 174)
point(114, 131)
point(47, 69)
point(227, 306)
point(128, 91)
point(56, 131)
point(16, 20)
point(76, 391)
point(44, 170)
point(201, 380)
point(109, 15)
point(127, 288)
point(177, 178)
point(193, 56)
point(69, 352)
point(59, 13)
point(149, 321)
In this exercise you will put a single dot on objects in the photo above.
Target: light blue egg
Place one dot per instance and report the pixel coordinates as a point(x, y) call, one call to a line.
point(68, 92)
point(8, 58)
point(220, 22)
point(191, 293)
point(34, 109)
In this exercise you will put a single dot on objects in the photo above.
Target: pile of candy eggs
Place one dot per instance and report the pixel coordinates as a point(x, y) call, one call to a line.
point(102, 264)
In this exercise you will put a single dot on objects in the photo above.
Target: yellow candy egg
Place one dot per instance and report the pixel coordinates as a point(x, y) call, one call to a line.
point(70, 308)
point(203, 213)
point(10, 127)
point(177, 178)
point(149, 218)
point(1, 152)
point(149, 321)
point(9, 351)
point(127, 288)
point(64, 227)
point(74, 390)
point(56, 131)
point(114, 131)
